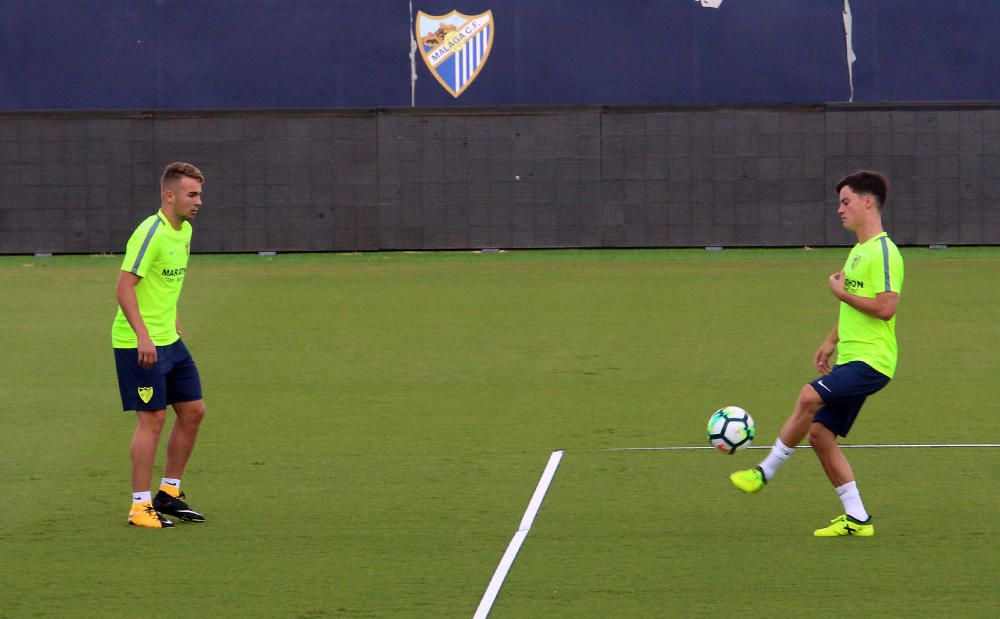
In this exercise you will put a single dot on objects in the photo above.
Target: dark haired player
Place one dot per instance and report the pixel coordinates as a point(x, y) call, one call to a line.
point(864, 339)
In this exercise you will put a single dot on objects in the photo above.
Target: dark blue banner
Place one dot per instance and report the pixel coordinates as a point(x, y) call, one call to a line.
point(219, 54)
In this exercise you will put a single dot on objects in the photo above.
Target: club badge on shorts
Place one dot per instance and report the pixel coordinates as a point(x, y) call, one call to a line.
point(455, 46)
point(145, 394)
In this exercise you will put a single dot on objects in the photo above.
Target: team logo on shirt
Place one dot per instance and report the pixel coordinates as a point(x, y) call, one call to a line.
point(455, 46)
point(145, 394)
point(854, 263)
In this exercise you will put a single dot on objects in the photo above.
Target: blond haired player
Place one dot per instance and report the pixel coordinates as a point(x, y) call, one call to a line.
point(154, 367)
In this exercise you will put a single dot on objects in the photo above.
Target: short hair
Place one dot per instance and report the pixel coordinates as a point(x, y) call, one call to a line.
point(178, 169)
point(866, 181)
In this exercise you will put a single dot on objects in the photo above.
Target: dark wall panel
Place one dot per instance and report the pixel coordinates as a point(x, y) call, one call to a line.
point(489, 180)
point(943, 164)
point(71, 182)
point(501, 177)
point(719, 177)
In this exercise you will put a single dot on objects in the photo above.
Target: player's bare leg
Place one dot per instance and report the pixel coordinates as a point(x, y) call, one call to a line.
point(792, 432)
point(170, 499)
point(143, 450)
point(797, 425)
point(835, 464)
point(183, 436)
point(855, 520)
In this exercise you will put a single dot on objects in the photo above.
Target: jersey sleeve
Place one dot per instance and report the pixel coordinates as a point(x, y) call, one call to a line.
point(887, 270)
point(896, 270)
point(141, 249)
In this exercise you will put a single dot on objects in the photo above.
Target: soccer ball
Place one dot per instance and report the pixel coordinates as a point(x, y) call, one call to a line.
point(731, 428)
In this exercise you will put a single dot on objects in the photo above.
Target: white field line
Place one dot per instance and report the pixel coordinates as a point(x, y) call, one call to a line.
point(916, 446)
point(493, 589)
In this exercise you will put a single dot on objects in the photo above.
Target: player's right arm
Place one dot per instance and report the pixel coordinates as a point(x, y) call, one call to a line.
point(825, 351)
point(125, 291)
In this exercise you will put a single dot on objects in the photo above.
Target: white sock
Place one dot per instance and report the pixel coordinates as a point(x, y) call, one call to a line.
point(851, 499)
point(779, 453)
point(170, 481)
point(142, 497)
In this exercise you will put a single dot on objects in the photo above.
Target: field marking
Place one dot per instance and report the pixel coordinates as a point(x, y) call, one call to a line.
point(887, 446)
point(507, 561)
point(493, 589)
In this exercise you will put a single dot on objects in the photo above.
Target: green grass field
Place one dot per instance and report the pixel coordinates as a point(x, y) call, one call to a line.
point(377, 424)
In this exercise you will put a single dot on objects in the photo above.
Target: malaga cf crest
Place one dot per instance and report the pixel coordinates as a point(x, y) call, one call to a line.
point(455, 46)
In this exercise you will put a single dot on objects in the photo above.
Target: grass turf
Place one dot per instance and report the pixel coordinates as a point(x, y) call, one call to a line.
point(377, 423)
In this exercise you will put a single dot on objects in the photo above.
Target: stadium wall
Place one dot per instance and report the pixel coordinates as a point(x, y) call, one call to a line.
point(456, 178)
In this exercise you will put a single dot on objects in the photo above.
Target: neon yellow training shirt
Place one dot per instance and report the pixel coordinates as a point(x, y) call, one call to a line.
point(159, 255)
point(872, 267)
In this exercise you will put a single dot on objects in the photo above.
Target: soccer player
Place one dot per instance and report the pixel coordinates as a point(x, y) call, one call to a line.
point(868, 289)
point(154, 367)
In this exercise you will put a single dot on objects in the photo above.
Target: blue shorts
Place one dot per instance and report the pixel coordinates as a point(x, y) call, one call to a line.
point(173, 378)
point(843, 391)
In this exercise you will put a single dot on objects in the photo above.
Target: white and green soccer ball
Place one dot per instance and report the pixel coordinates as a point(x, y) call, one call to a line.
point(731, 429)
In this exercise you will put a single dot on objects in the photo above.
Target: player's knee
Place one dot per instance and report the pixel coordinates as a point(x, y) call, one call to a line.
point(151, 421)
point(192, 412)
point(809, 400)
point(820, 436)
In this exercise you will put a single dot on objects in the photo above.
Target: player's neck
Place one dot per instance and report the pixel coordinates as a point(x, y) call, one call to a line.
point(869, 229)
point(871, 226)
point(172, 217)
